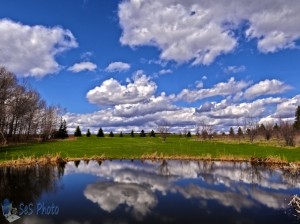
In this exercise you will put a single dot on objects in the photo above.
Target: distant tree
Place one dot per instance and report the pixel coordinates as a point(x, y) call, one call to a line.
point(77, 132)
point(111, 134)
point(296, 124)
point(142, 134)
point(207, 131)
point(276, 131)
point(132, 133)
point(189, 134)
point(100, 133)
point(62, 131)
point(204, 134)
point(185, 131)
point(268, 130)
point(240, 132)
point(262, 126)
point(88, 133)
point(121, 134)
point(198, 132)
point(251, 126)
point(287, 132)
point(152, 134)
point(231, 132)
point(163, 130)
point(261, 129)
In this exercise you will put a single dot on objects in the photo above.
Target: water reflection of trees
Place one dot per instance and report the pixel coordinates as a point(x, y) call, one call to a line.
point(163, 168)
point(26, 184)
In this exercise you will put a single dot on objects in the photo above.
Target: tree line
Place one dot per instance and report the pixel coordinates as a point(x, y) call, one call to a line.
point(251, 129)
point(100, 133)
point(24, 115)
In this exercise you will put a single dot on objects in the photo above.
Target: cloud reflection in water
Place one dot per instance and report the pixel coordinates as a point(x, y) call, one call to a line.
point(137, 185)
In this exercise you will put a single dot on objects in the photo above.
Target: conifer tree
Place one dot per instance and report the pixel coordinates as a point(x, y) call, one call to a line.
point(142, 134)
point(231, 132)
point(189, 134)
point(152, 134)
point(100, 133)
point(296, 124)
point(132, 133)
point(62, 131)
point(111, 134)
point(77, 132)
point(121, 134)
point(88, 133)
point(240, 132)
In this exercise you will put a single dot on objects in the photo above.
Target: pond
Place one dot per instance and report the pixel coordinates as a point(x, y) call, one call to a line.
point(149, 192)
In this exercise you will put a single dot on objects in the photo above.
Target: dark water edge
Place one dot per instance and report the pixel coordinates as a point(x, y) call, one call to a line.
point(150, 192)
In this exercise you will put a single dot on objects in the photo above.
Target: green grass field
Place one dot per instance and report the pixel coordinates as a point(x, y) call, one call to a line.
point(129, 148)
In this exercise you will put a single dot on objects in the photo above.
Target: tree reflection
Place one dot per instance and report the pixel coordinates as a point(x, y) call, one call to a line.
point(76, 163)
point(163, 168)
point(26, 184)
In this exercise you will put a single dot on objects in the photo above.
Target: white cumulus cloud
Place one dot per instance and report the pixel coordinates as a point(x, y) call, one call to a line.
point(266, 87)
point(200, 30)
point(117, 67)
point(111, 92)
point(165, 71)
point(220, 89)
point(31, 50)
point(82, 66)
point(235, 69)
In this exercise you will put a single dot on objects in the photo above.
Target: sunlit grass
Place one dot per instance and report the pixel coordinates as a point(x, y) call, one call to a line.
point(138, 147)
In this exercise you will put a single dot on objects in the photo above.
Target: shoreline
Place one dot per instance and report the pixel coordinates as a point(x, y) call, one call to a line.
point(272, 162)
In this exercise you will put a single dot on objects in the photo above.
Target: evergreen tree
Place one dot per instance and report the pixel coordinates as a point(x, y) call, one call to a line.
point(142, 134)
point(111, 134)
point(240, 132)
point(231, 132)
point(248, 131)
point(296, 124)
point(77, 132)
point(276, 127)
point(262, 127)
point(100, 133)
point(152, 134)
point(88, 133)
point(121, 134)
point(62, 131)
point(189, 134)
point(132, 133)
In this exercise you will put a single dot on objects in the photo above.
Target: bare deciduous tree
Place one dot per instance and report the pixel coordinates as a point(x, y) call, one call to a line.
point(206, 130)
point(268, 131)
point(164, 130)
point(23, 112)
point(250, 127)
point(287, 132)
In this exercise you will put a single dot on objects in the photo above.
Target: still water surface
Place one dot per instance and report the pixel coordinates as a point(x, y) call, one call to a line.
point(120, 192)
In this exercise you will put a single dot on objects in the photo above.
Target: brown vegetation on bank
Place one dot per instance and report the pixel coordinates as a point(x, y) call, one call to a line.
point(270, 161)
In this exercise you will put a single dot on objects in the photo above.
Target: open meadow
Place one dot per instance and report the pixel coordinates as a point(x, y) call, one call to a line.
point(146, 147)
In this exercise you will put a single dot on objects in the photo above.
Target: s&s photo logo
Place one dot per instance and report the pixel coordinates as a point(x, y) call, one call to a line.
point(8, 211)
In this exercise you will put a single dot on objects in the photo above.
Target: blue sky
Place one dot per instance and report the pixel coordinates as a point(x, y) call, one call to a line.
point(126, 65)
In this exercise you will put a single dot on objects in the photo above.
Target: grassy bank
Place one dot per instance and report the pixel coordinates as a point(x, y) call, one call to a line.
point(137, 147)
